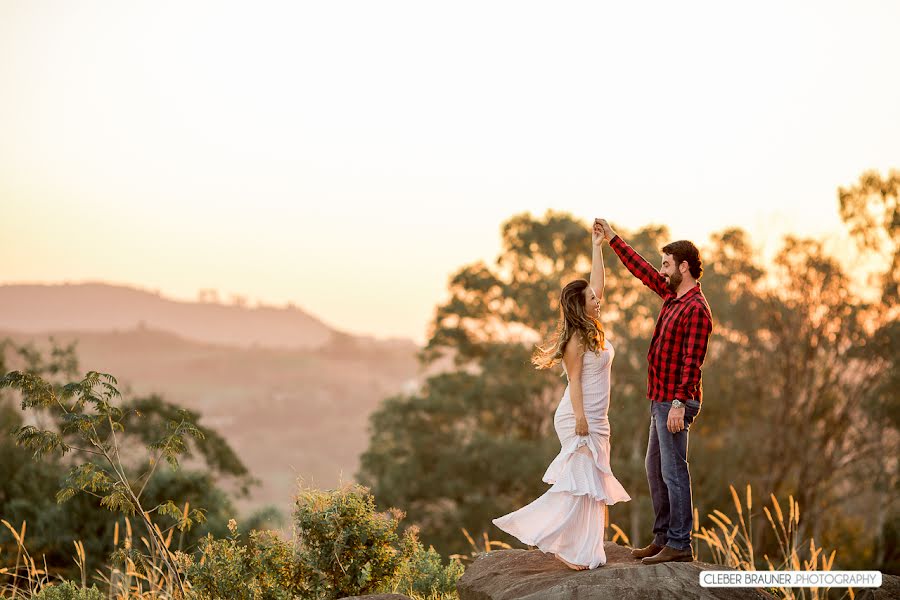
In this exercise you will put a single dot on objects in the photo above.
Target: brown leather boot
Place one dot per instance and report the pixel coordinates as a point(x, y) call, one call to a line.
point(669, 554)
point(646, 551)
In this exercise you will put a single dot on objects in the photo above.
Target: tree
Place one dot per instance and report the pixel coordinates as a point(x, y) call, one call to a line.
point(28, 489)
point(871, 210)
point(800, 385)
point(474, 442)
point(794, 387)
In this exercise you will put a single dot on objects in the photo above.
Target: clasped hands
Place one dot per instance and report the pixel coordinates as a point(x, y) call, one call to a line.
point(602, 231)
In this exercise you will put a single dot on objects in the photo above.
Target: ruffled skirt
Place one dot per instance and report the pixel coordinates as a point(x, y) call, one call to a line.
point(568, 520)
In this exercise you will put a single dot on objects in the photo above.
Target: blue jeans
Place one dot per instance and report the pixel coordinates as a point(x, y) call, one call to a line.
point(669, 478)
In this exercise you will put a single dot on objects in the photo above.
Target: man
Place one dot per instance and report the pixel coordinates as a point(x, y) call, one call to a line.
point(674, 388)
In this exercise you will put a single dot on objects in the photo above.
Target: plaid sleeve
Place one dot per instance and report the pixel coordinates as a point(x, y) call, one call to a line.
point(639, 266)
point(698, 328)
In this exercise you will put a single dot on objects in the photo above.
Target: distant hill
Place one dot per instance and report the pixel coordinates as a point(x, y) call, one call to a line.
point(287, 412)
point(103, 307)
point(292, 395)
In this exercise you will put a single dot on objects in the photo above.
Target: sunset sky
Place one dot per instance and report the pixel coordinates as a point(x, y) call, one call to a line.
point(349, 156)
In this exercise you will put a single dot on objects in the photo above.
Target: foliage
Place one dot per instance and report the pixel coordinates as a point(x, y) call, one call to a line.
point(871, 210)
point(343, 547)
point(69, 591)
point(343, 544)
point(265, 568)
point(148, 415)
point(28, 489)
point(346, 547)
point(90, 414)
point(791, 377)
point(422, 571)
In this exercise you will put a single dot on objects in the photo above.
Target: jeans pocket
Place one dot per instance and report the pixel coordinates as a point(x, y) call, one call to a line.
point(691, 410)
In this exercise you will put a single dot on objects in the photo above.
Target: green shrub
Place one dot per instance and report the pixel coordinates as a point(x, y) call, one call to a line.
point(264, 569)
point(346, 547)
point(68, 591)
point(422, 572)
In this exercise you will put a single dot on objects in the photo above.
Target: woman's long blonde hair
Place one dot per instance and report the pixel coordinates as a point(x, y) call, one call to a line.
point(572, 320)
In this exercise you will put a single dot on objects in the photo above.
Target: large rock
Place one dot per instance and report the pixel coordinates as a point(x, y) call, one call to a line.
point(533, 575)
point(889, 590)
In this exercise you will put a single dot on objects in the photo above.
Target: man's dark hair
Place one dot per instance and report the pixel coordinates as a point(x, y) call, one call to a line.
point(683, 250)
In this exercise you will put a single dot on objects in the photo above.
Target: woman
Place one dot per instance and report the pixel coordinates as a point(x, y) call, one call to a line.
point(568, 520)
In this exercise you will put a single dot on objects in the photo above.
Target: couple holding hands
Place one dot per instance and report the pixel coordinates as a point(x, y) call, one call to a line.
point(568, 520)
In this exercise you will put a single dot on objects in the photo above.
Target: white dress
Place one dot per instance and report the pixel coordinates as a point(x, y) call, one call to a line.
point(568, 519)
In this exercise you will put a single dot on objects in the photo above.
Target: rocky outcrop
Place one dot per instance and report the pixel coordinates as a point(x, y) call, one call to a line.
point(889, 590)
point(533, 575)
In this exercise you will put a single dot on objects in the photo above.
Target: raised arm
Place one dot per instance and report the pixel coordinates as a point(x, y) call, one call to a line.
point(634, 262)
point(572, 360)
point(598, 276)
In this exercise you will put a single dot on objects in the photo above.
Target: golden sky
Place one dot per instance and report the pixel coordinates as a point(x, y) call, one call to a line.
point(348, 156)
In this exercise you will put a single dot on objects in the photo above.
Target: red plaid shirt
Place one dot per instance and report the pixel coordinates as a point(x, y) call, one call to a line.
point(681, 336)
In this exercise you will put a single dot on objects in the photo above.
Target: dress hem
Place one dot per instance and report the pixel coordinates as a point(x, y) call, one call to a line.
point(532, 542)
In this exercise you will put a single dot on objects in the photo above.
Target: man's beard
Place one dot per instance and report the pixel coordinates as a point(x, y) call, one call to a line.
point(674, 281)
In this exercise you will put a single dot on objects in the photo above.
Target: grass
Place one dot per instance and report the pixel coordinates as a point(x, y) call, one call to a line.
point(26, 578)
point(728, 540)
point(147, 581)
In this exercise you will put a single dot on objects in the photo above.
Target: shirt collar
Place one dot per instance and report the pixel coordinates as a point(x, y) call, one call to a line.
point(687, 294)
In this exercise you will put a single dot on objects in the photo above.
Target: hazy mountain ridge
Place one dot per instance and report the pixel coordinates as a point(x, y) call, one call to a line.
point(37, 308)
point(288, 412)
